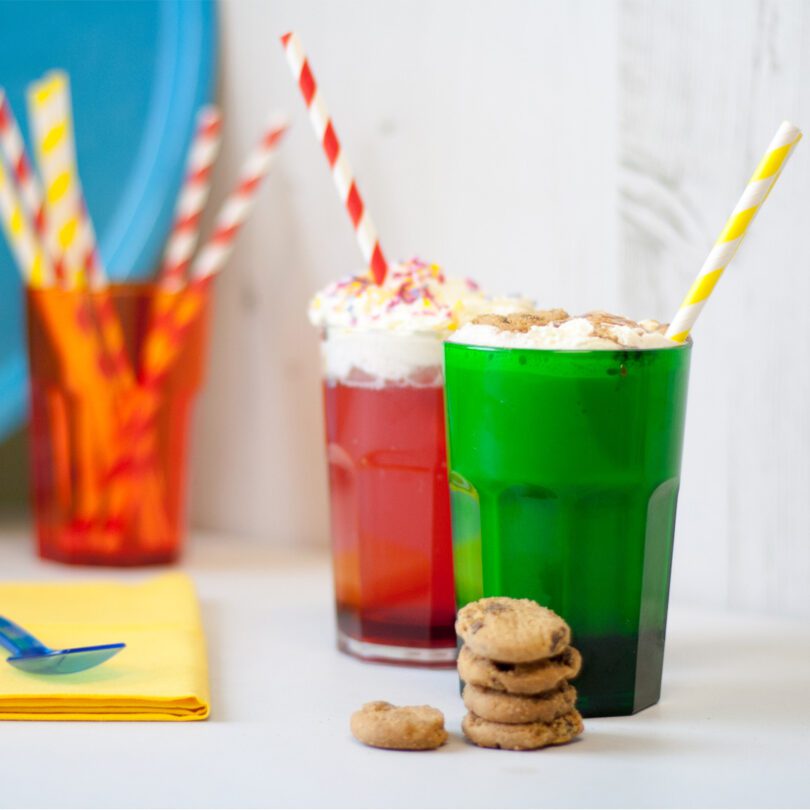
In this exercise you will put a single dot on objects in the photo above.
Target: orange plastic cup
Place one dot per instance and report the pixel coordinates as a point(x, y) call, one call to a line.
point(108, 461)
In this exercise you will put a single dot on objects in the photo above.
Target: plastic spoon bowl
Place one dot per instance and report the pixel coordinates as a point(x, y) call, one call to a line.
point(31, 655)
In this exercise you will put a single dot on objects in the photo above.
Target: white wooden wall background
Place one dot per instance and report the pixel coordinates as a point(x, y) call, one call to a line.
point(586, 153)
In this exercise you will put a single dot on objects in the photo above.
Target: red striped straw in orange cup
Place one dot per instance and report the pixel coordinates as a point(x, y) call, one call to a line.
point(193, 196)
point(165, 337)
point(192, 199)
point(239, 203)
point(184, 235)
point(364, 229)
point(182, 241)
point(177, 312)
point(30, 205)
point(27, 183)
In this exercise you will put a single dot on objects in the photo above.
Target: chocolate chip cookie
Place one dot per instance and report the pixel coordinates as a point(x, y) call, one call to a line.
point(500, 707)
point(522, 736)
point(523, 679)
point(512, 630)
point(406, 728)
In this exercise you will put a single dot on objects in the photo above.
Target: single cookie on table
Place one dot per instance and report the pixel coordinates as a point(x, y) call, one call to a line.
point(522, 736)
point(521, 679)
point(405, 728)
point(512, 630)
point(501, 707)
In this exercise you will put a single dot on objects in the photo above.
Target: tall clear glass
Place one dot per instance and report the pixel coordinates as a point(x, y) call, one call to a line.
point(565, 468)
point(390, 507)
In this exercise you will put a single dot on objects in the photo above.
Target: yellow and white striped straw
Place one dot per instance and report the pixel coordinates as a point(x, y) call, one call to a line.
point(90, 261)
point(28, 252)
point(755, 194)
point(53, 137)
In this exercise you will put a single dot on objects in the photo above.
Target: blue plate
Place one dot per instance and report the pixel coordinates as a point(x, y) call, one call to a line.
point(139, 72)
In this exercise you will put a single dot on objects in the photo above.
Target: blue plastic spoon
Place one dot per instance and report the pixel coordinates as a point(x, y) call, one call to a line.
point(31, 655)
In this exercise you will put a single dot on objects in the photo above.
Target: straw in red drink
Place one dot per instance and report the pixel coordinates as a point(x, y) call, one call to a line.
point(364, 229)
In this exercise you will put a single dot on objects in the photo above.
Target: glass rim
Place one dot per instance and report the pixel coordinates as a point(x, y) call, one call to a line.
point(120, 288)
point(349, 331)
point(623, 350)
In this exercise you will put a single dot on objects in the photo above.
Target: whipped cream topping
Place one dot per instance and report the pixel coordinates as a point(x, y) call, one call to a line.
point(415, 297)
point(556, 329)
point(383, 359)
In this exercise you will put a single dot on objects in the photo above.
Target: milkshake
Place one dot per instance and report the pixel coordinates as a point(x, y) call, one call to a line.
point(385, 434)
point(565, 438)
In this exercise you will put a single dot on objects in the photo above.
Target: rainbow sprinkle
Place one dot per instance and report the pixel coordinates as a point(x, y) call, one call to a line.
point(415, 296)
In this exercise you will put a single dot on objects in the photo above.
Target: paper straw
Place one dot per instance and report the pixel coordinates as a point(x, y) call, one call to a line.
point(192, 199)
point(87, 247)
point(171, 278)
point(52, 117)
point(13, 148)
point(72, 231)
point(29, 254)
point(138, 438)
point(238, 204)
point(82, 351)
point(51, 136)
point(98, 350)
point(755, 194)
point(175, 313)
point(364, 229)
point(165, 341)
point(166, 338)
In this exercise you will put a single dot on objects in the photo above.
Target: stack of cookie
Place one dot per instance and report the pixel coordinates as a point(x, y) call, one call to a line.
point(516, 662)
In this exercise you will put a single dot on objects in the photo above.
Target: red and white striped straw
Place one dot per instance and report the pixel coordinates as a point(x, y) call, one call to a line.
point(238, 204)
point(364, 229)
point(192, 199)
point(96, 274)
point(30, 190)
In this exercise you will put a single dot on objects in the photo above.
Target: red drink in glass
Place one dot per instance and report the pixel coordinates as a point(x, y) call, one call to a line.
point(390, 506)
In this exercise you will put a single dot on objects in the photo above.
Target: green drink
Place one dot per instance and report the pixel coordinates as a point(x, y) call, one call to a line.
point(564, 476)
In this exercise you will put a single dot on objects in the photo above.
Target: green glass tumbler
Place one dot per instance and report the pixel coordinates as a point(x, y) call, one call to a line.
point(564, 476)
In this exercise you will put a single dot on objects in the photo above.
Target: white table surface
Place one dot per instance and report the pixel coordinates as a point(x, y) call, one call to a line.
point(732, 728)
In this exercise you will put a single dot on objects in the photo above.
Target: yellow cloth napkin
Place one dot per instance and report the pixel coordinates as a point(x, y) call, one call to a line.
point(160, 675)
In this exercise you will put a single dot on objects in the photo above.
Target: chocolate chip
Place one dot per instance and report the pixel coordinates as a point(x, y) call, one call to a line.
point(556, 637)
